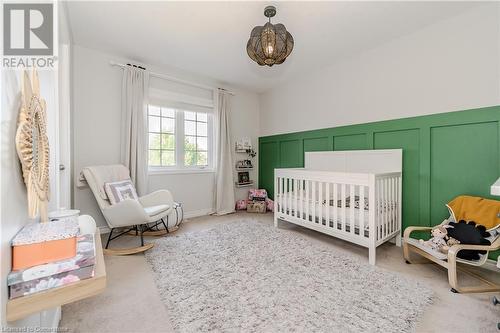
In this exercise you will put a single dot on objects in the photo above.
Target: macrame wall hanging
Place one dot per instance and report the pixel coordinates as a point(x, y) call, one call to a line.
point(32, 146)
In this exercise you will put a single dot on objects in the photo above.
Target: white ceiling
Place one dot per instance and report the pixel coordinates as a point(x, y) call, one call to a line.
point(209, 38)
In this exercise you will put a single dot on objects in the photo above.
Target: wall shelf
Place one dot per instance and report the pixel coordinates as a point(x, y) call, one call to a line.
point(21, 307)
point(244, 184)
point(244, 169)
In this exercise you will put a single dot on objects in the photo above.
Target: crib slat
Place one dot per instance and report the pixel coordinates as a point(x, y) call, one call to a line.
point(343, 207)
point(313, 201)
point(279, 196)
point(290, 196)
point(351, 209)
point(386, 197)
point(335, 208)
point(285, 194)
point(294, 198)
point(379, 215)
point(362, 211)
point(382, 213)
point(320, 202)
point(307, 200)
point(278, 193)
point(400, 202)
point(387, 202)
point(327, 206)
point(394, 200)
point(384, 210)
point(390, 201)
point(299, 198)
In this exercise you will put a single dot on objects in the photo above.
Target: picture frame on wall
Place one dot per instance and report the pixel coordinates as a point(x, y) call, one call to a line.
point(243, 177)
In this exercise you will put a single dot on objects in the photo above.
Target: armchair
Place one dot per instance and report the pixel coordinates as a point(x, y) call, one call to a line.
point(449, 261)
point(137, 217)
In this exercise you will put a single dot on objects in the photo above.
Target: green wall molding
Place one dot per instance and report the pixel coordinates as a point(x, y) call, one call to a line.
point(444, 155)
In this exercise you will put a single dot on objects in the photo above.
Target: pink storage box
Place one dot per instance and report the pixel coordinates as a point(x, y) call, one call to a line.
point(255, 194)
point(241, 205)
point(269, 205)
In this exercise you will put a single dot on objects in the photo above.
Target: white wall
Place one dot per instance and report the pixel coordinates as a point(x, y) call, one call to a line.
point(96, 129)
point(448, 66)
point(14, 206)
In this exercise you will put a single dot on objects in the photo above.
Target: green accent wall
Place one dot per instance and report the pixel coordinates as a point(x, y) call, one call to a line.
point(444, 155)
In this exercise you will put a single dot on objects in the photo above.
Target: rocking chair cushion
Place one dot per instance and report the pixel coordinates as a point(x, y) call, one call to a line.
point(119, 191)
point(155, 210)
point(480, 210)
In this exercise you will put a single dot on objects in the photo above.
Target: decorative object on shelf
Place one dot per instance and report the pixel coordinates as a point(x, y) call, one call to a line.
point(269, 44)
point(244, 164)
point(32, 146)
point(41, 243)
point(243, 177)
point(243, 144)
point(251, 153)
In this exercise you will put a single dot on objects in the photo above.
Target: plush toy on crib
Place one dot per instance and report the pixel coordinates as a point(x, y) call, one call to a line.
point(438, 241)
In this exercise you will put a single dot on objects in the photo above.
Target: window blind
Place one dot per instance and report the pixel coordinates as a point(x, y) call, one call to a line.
point(177, 95)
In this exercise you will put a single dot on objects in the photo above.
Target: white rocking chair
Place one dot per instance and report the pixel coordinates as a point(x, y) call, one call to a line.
point(136, 217)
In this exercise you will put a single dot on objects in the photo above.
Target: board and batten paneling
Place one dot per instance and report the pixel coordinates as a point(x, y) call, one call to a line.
point(444, 155)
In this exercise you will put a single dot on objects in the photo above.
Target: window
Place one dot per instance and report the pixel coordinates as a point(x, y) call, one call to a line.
point(161, 122)
point(179, 139)
point(195, 139)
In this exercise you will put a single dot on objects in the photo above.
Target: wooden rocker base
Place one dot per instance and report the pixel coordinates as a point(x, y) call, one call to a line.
point(125, 252)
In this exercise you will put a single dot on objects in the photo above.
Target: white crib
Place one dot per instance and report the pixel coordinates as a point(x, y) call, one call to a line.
point(319, 196)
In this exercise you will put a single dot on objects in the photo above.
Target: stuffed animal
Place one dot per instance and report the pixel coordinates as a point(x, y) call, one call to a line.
point(438, 239)
point(452, 241)
point(469, 233)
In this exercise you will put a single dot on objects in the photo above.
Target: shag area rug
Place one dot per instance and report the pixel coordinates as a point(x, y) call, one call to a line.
point(248, 276)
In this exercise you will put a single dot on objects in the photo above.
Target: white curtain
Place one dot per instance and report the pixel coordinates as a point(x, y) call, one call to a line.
point(134, 126)
point(224, 186)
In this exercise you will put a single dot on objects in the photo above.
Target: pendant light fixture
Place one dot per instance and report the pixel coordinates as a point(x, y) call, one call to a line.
point(269, 44)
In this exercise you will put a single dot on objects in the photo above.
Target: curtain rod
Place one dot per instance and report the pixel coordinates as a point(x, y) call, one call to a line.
point(174, 79)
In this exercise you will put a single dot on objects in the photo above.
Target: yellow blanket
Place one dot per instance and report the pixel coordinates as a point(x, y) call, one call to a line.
point(480, 210)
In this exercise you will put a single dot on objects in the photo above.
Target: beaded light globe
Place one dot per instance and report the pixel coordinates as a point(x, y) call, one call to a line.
point(269, 44)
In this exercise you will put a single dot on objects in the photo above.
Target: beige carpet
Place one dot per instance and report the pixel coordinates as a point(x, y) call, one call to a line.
point(131, 302)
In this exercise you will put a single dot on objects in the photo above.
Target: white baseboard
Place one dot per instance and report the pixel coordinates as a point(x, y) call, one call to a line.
point(104, 229)
point(198, 213)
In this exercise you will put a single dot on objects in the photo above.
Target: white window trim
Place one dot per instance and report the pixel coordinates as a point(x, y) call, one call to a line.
point(180, 168)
